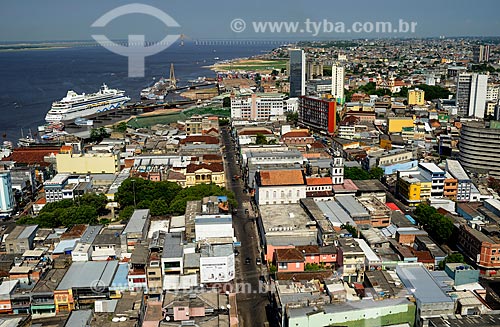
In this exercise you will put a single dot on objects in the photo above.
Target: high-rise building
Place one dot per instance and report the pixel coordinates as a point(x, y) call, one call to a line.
point(471, 94)
point(481, 53)
point(318, 114)
point(297, 73)
point(338, 73)
point(479, 147)
point(6, 194)
point(416, 97)
point(314, 69)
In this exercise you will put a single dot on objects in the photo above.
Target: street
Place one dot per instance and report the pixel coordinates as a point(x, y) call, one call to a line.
point(251, 302)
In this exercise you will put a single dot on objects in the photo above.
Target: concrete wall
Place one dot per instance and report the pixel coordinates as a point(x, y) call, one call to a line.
point(96, 164)
point(367, 317)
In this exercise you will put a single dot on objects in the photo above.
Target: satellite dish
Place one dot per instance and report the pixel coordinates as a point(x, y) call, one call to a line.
point(167, 318)
point(123, 319)
point(115, 319)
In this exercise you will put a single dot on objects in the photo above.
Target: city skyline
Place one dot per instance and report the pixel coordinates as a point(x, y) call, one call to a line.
point(55, 22)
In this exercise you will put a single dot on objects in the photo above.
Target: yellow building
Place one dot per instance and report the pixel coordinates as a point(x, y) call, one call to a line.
point(396, 124)
point(416, 97)
point(425, 190)
point(204, 174)
point(409, 190)
point(88, 163)
point(414, 189)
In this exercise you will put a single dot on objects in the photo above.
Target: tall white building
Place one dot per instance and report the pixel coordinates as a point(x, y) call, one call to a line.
point(6, 194)
point(338, 73)
point(471, 94)
point(260, 106)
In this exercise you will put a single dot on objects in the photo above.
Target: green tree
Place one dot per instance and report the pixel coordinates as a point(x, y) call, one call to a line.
point(121, 127)
point(403, 93)
point(433, 92)
point(356, 173)
point(452, 258)
point(260, 139)
point(126, 212)
point(226, 102)
point(159, 207)
point(436, 224)
point(292, 117)
point(97, 134)
point(376, 173)
point(351, 229)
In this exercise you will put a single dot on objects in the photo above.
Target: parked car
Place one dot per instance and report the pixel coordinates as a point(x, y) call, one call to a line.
point(258, 261)
point(247, 261)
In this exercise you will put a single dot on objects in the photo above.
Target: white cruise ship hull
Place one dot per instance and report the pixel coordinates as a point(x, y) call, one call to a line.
point(83, 113)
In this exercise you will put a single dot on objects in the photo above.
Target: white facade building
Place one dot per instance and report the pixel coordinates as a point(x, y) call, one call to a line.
point(338, 73)
point(217, 263)
point(257, 106)
point(6, 194)
point(213, 226)
point(280, 186)
point(471, 94)
point(292, 104)
point(337, 169)
point(492, 92)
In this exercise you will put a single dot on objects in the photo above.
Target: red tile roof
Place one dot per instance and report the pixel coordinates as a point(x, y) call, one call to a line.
point(213, 167)
point(175, 175)
point(200, 139)
point(31, 156)
point(212, 157)
point(317, 145)
point(41, 201)
point(255, 131)
point(313, 181)
point(296, 134)
point(280, 177)
point(308, 249)
point(289, 255)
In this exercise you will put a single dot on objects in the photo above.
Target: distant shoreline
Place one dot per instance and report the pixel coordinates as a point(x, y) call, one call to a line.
point(32, 48)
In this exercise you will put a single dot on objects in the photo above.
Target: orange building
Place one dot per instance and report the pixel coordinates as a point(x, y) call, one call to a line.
point(289, 260)
point(450, 188)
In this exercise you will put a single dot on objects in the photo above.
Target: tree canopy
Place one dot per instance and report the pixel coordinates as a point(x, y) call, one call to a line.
point(162, 198)
point(437, 225)
point(433, 92)
point(452, 258)
point(356, 173)
point(83, 210)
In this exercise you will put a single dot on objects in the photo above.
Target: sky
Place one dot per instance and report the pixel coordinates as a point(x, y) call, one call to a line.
point(46, 20)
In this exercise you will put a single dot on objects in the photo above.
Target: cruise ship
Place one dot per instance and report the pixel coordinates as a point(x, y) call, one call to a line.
point(75, 105)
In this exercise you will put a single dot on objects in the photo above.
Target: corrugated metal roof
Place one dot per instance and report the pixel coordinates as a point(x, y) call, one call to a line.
point(421, 283)
point(172, 247)
point(137, 221)
point(334, 213)
point(89, 274)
